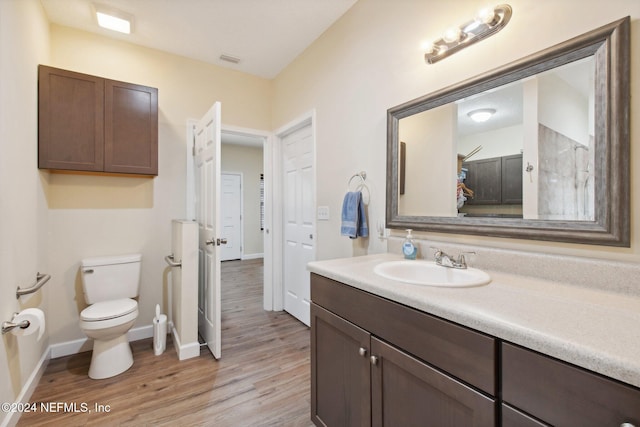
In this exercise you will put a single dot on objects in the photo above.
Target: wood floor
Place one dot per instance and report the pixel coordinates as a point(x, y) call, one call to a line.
point(262, 378)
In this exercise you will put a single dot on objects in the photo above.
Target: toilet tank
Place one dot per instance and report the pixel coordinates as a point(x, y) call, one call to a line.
point(110, 278)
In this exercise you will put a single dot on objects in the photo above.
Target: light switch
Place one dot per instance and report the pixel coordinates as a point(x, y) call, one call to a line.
point(323, 213)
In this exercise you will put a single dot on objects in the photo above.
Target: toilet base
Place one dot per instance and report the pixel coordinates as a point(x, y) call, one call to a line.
point(110, 357)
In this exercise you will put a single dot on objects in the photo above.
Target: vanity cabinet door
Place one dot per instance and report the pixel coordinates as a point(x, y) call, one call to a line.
point(561, 394)
point(340, 371)
point(408, 392)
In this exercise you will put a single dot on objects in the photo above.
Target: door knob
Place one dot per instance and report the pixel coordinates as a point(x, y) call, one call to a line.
point(216, 242)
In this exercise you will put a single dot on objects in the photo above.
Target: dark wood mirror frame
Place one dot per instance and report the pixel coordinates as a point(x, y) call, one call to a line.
point(610, 46)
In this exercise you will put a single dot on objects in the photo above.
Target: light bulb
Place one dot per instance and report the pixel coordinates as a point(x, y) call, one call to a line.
point(452, 35)
point(486, 15)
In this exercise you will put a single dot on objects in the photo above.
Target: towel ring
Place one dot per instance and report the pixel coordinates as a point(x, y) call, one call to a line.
point(361, 185)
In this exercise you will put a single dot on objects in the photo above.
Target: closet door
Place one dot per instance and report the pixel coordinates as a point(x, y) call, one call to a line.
point(70, 120)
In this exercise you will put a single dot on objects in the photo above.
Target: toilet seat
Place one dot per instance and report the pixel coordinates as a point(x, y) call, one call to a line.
point(108, 310)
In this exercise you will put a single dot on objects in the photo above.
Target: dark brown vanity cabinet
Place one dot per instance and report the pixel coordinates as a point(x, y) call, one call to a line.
point(559, 394)
point(375, 362)
point(495, 181)
point(378, 363)
point(87, 123)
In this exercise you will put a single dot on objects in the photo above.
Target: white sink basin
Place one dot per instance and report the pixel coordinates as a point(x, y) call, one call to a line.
point(427, 273)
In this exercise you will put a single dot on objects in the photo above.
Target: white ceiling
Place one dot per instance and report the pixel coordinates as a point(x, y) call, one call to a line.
point(265, 34)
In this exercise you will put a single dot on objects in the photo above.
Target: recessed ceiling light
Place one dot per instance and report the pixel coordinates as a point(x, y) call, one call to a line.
point(113, 19)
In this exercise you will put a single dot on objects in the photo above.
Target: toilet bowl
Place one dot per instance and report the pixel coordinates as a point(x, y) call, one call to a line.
point(109, 285)
point(108, 323)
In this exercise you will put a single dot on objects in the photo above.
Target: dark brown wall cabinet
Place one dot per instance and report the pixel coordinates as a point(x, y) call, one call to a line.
point(87, 123)
point(495, 181)
point(375, 362)
point(368, 377)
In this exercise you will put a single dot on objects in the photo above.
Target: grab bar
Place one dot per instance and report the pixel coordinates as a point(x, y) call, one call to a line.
point(9, 326)
point(171, 262)
point(41, 279)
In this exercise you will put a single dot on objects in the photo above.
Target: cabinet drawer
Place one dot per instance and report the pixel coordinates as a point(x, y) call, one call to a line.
point(564, 395)
point(463, 353)
point(514, 418)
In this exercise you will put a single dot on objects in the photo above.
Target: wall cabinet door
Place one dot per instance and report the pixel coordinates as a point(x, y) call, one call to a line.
point(87, 123)
point(70, 120)
point(340, 371)
point(512, 179)
point(131, 128)
point(484, 177)
point(408, 392)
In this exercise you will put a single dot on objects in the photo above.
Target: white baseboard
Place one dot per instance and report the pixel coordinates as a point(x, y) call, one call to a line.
point(85, 344)
point(185, 351)
point(11, 419)
point(252, 256)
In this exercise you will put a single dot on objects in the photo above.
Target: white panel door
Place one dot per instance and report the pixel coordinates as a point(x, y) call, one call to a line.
point(299, 220)
point(207, 174)
point(231, 211)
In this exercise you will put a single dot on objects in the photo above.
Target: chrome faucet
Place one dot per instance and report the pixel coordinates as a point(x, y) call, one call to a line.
point(446, 260)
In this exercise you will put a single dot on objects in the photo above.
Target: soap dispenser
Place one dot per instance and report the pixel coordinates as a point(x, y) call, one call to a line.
point(409, 248)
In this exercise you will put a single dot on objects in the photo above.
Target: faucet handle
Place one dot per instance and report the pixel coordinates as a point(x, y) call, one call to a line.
point(462, 262)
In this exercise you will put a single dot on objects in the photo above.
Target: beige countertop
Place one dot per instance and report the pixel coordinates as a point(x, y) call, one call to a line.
point(593, 328)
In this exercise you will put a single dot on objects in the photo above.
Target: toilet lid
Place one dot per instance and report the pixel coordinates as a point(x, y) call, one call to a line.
point(109, 309)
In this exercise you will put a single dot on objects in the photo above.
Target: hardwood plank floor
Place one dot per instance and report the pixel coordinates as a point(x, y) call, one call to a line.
point(262, 379)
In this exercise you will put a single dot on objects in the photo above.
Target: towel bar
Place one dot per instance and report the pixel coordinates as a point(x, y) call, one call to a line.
point(41, 279)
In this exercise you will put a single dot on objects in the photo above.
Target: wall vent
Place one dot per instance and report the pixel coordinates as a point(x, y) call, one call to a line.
point(229, 58)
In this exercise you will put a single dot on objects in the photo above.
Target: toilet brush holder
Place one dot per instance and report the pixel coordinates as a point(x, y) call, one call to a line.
point(159, 332)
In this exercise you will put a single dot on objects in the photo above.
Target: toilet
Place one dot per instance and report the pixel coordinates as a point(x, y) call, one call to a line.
point(109, 284)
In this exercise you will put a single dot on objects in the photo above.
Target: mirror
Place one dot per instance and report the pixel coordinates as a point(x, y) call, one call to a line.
point(549, 161)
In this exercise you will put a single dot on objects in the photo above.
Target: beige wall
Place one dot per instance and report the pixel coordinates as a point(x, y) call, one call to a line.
point(248, 161)
point(24, 42)
point(371, 60)
point(98, 215)
point(367, 62)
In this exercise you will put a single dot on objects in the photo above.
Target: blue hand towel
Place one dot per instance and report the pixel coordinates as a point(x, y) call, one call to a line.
point(354, 220)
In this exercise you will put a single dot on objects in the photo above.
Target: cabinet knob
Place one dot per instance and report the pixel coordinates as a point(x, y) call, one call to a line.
point(374, 360)
point(362, 352)
point(627, 425)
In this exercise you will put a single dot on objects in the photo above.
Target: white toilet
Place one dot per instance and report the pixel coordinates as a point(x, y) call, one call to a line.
point(109, 285)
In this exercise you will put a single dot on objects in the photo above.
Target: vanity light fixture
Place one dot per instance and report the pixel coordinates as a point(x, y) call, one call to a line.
point(481, 115)
point(488, 21)
point(113, 19)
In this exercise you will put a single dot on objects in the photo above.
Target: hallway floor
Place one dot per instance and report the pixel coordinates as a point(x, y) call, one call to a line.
point(262, 378)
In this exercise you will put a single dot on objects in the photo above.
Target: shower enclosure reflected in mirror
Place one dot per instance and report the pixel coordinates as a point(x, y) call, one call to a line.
point(549, 160)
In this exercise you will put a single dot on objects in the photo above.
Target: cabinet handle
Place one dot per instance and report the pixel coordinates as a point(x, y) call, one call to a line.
point(627, 425)
point(362, 352)
point(374, 360)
